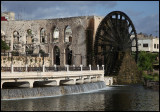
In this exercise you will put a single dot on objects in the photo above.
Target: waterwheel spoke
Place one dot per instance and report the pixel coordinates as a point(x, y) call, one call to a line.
point(106, 32)
point(105, 38)
point(112, 29)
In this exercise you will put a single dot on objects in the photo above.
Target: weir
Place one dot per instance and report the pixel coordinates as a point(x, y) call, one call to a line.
point(51, 78)
point(60, 83)
point(50, 91)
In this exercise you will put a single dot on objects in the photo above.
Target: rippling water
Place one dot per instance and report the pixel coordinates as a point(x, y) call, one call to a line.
point(116, 98)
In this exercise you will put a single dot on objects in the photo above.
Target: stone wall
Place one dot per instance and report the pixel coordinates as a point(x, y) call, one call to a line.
point(78, 26)
point(20, 61)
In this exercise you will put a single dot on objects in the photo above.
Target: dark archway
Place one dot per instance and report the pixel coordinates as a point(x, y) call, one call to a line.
point(56, 52)
point(68, 56)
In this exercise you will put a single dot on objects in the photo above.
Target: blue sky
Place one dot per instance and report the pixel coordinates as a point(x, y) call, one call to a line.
point(144, 14)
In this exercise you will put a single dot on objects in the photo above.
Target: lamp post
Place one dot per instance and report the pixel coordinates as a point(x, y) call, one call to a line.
point(11, 63)
point(11, 58)
point(43, 58)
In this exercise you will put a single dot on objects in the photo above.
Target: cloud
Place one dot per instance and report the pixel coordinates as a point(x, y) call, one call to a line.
point(56, 9)
point(3, 7)
point(148, 24)
point(60, 9)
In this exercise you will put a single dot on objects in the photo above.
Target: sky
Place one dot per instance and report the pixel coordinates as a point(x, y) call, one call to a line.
point(144, 14)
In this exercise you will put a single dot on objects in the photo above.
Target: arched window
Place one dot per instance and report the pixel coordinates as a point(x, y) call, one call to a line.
point(68, 53)
point(15, 37)
point(42, 35)
point(68, 34)
point(29, 37)
point(56, 35)
point(56, 52)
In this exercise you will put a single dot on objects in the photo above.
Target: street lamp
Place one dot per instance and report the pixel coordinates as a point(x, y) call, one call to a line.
point(11, 58)
point(43, 58)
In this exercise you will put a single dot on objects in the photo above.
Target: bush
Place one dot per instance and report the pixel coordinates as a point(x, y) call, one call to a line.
point(4, 45)
point(146, 60)
point(154, 77)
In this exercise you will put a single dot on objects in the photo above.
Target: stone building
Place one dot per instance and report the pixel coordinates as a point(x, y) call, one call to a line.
point(8, 15)
point(66, 41)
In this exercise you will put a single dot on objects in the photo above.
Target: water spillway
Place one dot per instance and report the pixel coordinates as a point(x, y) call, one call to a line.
point(50, 91)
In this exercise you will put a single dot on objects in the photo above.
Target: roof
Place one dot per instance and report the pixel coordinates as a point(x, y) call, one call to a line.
point(3, 19)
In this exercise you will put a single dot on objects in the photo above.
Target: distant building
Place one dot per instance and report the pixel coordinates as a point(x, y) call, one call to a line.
point(3, 19)
point(8, 15)
point(148, 43)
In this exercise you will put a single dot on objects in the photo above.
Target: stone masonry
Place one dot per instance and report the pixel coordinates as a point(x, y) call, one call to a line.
point(16, 34)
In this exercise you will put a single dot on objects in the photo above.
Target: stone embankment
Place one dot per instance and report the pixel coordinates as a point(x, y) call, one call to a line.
point(152, 85)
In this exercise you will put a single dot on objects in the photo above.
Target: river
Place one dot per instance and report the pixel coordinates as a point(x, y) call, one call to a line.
point(113, 98)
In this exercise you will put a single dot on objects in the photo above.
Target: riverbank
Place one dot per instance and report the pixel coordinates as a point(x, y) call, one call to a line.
point(50, 91)
point(152, 84)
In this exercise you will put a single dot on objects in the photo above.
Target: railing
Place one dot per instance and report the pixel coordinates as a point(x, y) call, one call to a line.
point(55, 69)
point(5, 69)
point(86, 68)
point(34, 69)
point(19, 69)
point(100, 68)
point(48, 69)
point(93, 68)
point(61, 68)
point(74, 68)
point(4, 54)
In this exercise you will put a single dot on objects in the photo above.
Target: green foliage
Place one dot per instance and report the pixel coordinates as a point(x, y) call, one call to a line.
point(4, 45)
point(146, 60)
point(146, 76)
point(154, 77)
point(29, 32)
point(41, 52)
point(15, 53)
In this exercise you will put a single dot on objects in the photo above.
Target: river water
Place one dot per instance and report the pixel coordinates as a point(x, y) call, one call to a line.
point(113, 98)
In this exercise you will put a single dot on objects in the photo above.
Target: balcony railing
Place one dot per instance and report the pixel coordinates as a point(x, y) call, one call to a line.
point(48, 69)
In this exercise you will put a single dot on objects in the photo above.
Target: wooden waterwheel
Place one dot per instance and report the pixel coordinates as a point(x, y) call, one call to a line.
point(115, 35)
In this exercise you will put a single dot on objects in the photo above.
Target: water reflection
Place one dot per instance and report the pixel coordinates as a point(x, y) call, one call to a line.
point(115, 98)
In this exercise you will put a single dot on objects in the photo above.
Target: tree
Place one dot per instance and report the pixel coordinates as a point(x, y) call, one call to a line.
point(146, 60)
point(4, 46)
point(41, 52)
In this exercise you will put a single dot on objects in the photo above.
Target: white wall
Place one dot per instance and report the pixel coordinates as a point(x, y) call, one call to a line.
point(156, 41)
point(150, 43)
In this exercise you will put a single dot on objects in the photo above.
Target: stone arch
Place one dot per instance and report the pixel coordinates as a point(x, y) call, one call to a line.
point(56, 55)
point(16, 37)
point(29, 41)
point(68, 34)
point(55, 36)
point(6, 85)
point(68, 55)
point(43, 35)
point(29, 37)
